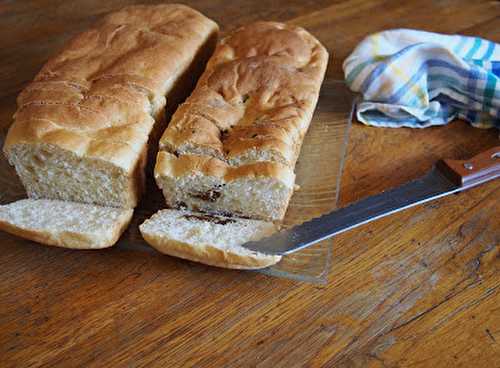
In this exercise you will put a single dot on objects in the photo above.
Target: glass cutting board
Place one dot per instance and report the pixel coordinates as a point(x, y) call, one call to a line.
point(318, 172)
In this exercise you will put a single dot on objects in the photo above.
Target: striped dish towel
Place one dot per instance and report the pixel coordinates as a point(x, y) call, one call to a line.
point(417, 79)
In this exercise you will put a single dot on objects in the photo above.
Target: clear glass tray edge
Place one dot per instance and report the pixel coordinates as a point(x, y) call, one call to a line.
point(322, 278)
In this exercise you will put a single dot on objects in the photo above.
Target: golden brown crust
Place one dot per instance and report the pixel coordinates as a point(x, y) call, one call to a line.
point(100, 96)
point(172, 166)
point(256, 95)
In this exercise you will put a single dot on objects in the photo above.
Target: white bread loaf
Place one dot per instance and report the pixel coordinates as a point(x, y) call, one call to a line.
point(82, 126)
point(247, 117)
point(65, 224)
point(209, 239)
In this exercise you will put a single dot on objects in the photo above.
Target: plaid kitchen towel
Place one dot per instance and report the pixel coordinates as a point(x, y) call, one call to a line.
point(417, 79)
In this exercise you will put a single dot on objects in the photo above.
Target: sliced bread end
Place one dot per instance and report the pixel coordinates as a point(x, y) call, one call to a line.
point(209, 239)
point(260, 190)
point(65, 224)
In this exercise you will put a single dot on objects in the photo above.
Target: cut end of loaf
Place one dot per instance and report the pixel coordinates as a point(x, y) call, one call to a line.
point(209, 239)
point(65, 224)
point(49, 171)
point(260, 190)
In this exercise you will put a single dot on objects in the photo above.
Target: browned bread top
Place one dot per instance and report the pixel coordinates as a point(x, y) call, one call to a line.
point(209, 167)
point(255, 99)
point(99, 97)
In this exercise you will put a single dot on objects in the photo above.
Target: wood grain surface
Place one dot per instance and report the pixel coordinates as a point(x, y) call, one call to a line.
point(418, 289)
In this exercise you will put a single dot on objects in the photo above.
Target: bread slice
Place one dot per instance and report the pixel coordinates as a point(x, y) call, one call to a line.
point(209, 239)
point(259, 190)
point(65, 224)
point(82, 126)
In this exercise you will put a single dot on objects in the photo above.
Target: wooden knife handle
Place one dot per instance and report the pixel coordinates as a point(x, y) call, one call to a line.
point(479, 169)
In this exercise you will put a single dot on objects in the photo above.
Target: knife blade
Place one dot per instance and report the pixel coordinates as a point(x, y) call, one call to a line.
point(446, 177)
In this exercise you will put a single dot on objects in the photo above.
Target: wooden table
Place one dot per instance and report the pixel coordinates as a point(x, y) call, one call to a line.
point(418, 289)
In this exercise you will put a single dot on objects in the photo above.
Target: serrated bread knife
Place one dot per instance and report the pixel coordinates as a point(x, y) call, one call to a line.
point(446, 177)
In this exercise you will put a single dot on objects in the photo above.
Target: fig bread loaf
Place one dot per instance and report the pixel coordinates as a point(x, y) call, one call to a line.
point(231, 148)
point(82, 126)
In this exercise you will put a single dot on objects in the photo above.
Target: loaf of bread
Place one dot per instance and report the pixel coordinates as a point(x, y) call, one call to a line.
point(82, 126)
point(232, 146)
point(213, 240)
point(65, 224)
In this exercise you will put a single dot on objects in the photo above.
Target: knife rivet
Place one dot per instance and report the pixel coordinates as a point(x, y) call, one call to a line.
point(468, 166)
